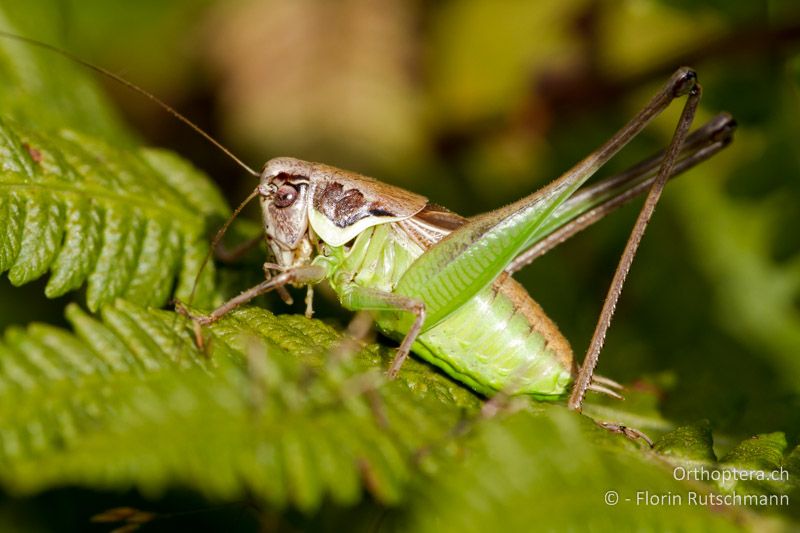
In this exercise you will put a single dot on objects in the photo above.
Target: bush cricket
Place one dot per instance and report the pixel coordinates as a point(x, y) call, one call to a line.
point(441, 284)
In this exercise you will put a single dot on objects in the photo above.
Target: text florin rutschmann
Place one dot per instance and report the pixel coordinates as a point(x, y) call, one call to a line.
point(724, 478)
point(665, 499)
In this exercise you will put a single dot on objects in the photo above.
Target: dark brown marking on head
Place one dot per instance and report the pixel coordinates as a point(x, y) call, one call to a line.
point(285, 177)
point(346, 207)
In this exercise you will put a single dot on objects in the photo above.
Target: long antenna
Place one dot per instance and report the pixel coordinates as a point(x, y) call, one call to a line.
point(218, 238)
point(132, 86)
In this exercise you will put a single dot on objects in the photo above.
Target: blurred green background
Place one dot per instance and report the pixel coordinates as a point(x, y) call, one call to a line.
point(476, 103)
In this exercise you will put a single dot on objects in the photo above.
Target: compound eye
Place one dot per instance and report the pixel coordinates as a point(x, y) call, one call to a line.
point(285, 196)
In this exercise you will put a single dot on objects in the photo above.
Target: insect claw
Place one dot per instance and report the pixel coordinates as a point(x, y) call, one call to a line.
point(632, 433)
point(181, 308)
point(198, 321)
point(604, 390)
point(199, 340)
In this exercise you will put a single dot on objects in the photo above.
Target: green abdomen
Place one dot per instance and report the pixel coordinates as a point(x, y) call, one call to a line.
point(500, 340)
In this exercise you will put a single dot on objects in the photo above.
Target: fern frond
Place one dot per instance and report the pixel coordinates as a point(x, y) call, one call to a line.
point(129, 401)
point(126, 222)
point(273, 414)
point(553, 472)
point(759, 456)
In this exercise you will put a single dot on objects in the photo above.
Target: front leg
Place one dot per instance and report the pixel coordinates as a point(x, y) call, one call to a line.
point(303, 275)
point(360, 298)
